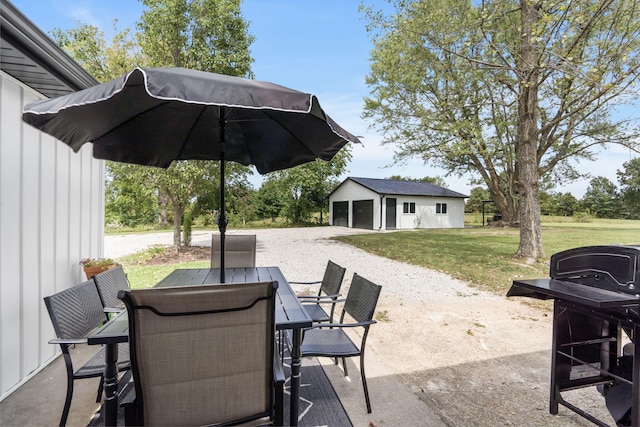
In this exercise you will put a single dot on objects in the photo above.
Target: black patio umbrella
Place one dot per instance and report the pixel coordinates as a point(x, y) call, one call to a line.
point(155, 116)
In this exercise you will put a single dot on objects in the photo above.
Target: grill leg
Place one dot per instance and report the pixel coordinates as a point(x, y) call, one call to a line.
point(553, 389)
point(635, 394)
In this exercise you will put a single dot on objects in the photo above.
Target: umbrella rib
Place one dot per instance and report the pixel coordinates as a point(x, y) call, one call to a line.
point(292, 134)
point(130, 119)
point(193, 126)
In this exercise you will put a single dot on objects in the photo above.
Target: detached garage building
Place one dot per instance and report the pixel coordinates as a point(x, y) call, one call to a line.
point(385, 204)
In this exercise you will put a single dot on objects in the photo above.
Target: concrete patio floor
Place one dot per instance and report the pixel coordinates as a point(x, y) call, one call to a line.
point(40, 400)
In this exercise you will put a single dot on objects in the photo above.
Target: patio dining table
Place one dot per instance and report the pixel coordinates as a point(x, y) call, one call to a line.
point(290, 315)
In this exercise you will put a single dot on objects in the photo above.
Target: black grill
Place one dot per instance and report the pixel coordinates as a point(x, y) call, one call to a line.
point(596, 293)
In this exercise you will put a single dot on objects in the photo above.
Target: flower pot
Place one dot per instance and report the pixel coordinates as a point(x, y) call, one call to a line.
point(92, 271)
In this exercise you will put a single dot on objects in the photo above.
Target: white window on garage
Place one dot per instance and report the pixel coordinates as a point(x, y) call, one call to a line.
point(408, 207)
point(441, 208)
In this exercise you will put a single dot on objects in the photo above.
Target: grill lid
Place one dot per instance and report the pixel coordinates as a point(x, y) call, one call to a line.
point(612, 267)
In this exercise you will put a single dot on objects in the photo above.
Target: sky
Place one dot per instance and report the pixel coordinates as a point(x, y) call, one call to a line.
point(315, 46)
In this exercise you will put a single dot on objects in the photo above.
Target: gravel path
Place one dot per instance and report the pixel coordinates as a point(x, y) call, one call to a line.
point(472, 358)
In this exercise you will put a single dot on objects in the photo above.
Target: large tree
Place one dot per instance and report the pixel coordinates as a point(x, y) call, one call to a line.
point(510, 91)
point(207, 35)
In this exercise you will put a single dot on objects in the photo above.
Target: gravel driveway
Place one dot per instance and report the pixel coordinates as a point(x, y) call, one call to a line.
point(302, 254)
point(468, 357)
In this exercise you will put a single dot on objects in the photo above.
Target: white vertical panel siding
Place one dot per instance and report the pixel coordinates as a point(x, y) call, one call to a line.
point(63, 269)
point(10, 239)
point(51, 212)
point(30, 259)
point(47, 239)
point(74, 211)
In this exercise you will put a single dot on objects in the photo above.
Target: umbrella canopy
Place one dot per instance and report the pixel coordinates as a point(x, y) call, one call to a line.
point(155, 116)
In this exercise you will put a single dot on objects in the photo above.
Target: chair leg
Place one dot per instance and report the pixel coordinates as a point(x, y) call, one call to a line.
point(67, 401)
point(364, 384)
point(344, 365)
point(100, 388)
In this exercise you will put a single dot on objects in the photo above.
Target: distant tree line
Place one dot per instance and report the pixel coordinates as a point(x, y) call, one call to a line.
point(603, 198)
point(298, 195)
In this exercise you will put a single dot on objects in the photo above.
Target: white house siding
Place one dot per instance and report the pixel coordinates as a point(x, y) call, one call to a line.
point(51, 216)
point(424, 217)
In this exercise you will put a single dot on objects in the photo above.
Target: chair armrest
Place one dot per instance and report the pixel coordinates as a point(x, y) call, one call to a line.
point(331, 301)
point(318, 297)
point(306, 283)
point(342, 325)
point(68, 341)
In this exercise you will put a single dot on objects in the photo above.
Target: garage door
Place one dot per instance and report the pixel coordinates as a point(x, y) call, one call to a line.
point(341, 213)
point(363, 214)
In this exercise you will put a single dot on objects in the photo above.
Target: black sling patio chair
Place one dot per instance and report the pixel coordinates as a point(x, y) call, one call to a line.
point(75, 312)
point(331, 340)
point(330, 287)
point(204, 355)
point(109, 282)
point(239, 251)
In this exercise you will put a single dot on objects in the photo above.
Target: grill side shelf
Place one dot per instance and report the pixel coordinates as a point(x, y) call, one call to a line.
point(574, 292)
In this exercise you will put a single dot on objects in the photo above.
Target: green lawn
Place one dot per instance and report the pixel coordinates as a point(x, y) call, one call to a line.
point(483, 256)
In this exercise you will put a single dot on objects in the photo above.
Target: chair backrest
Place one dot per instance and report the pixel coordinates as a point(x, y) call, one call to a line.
point(239, 251)
point(362, 299)
point(202, 354)
point(75, 311)
point(109, 282)
point(332, 279)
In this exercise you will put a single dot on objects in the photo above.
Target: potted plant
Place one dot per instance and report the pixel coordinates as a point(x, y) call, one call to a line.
point(95, 266)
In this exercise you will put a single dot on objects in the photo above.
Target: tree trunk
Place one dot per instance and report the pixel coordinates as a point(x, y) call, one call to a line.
point(177, 224)
point(526, 150)
point(163, 201)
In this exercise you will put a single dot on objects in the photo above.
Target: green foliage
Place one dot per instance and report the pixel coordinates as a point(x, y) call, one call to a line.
point(582, 216)
point(130, 199)
point(305, 189)
point(207, 35)
point(476, 197)
point(104, 61)
point(602, 198)
point(565, 204)
point(629, 180)
point(437, 180)
point(97, 262)
point(270, 200)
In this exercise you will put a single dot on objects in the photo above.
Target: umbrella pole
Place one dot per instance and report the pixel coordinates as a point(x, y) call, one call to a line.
point(222, 221)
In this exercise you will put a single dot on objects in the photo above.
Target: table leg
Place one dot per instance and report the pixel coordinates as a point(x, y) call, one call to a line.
point(295, 375)
point(111, 385)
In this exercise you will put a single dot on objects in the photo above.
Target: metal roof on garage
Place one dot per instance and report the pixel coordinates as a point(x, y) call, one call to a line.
point(30, 56)
point(404, 188)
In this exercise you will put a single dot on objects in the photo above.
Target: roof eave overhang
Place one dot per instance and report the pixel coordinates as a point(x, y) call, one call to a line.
point(41, 54)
